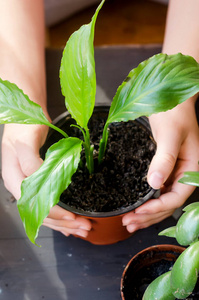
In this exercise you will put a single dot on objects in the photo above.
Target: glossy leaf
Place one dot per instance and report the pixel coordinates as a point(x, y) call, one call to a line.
point(191, 206)
point(159, 289)
point(170, 232)
point(187, 228)
point(191, 178)
point(184, 274)
point(77, 73)
point(42, 190)
point(157, 84)
point(16, 107)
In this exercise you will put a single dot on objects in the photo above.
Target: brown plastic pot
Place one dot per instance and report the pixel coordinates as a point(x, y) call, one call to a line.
point(107, 227)
point(144, 267)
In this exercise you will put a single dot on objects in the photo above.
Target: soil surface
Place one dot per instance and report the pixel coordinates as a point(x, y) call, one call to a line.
point(121, 179)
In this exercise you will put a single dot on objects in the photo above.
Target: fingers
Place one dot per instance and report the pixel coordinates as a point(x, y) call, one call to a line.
point(67, 223)
point(146, 221)
point(67, 227)
point(157, 210)
point(170, 200)
point(163, 162)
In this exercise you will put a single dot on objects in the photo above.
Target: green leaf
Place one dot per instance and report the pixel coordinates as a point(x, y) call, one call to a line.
point(77, 73)
point(42, 190)
point(170, 232)
point(157, 84)
point(191, 206)
point(16, 107)
point(159, 289)
point(187, 228)
point(184, 274)
point(191, 178)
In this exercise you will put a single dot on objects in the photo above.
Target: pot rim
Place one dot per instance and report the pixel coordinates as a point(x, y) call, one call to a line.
point(161, 247)
point(153, 193)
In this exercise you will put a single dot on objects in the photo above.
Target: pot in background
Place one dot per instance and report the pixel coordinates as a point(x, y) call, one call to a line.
point(107, 227)
point(144, 267)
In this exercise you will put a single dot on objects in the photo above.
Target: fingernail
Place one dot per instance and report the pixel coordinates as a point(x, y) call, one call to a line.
point(131, 228)
point(125, 223)
point(66, 234)
point(68, 218)
point(82, 234)
point(84, 228)
point(156, 180)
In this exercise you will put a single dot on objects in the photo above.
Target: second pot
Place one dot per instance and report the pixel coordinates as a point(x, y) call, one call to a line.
point(144, 267)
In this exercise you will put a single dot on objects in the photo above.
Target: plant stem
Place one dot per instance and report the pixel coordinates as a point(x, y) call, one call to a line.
point(103, 143)
point(88, 148)
point(59, 130)
point(88, 152)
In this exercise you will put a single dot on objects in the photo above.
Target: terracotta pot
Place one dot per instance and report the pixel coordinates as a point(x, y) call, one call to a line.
point(144, 267)
point(107, 227)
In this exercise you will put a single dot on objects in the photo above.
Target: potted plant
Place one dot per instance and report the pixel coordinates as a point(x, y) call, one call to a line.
point(157, 84)
point(118, 183)
point(146, 266)
point(181, 281)
point(166, 272)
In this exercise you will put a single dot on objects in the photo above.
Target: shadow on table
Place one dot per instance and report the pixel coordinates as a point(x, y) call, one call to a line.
point(26, 271)
point(94, 272)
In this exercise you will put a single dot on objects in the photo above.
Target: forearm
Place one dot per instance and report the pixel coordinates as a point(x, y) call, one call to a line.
point(181, 34)
point(182, 27)
point(22, 44)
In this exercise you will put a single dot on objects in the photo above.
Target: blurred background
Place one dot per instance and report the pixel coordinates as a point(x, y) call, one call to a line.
point(120, 23)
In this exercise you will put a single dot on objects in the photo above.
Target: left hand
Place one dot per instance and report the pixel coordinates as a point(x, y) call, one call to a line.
point(20, 158)
point(177, 136)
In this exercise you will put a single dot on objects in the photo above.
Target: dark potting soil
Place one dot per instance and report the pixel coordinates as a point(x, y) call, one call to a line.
point(121, 178)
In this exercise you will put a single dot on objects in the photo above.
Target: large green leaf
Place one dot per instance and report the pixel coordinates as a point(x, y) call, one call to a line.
point(77, 73)
point(159, 288)
point(157, 84)
point(187, 228)
point(16, 107)
point(184, 274)
point(191, 178)
point(42, 190)
point(191, 206)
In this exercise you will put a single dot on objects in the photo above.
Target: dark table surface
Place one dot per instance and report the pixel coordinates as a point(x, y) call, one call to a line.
point(71, 268)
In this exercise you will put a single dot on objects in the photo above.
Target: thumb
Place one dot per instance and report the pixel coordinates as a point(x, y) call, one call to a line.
point(29, 158)
point(163, 162)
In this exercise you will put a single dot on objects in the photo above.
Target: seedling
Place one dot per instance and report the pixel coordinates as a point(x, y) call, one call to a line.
point(157, 84)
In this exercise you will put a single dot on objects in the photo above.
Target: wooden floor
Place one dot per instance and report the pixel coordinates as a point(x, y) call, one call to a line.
point(120, 22)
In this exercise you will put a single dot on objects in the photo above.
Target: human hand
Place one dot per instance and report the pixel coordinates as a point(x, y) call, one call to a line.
point(177, 136)
point(20, 158)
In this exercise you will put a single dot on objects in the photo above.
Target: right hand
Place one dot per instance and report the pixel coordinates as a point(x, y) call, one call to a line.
point(20, 158)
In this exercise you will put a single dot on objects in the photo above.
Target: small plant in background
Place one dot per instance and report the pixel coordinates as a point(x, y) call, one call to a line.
point(157, 84)
point(181, 280)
